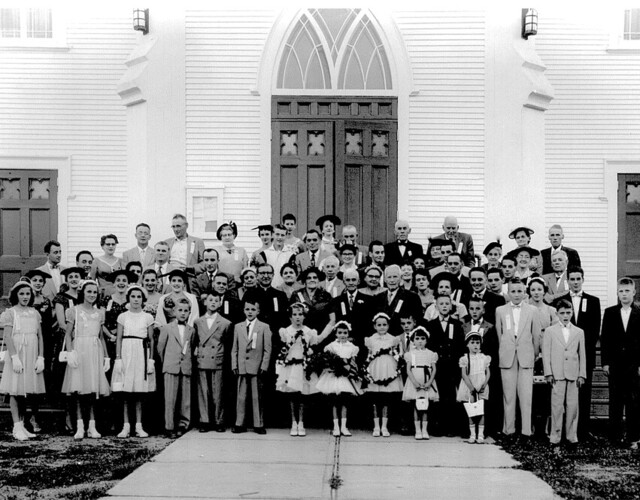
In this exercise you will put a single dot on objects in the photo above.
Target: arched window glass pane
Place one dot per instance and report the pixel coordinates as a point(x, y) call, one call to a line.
point(334, 24)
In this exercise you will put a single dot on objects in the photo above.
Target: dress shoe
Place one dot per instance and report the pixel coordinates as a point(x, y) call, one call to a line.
point(237, 429)
point(259, 430)
point(204, 428)
point(220, 428)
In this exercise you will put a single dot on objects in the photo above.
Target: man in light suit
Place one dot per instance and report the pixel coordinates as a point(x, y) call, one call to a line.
point(175, 347)
point(331, 283)
point(463, 242)
point(314, 254)
point(213, 335)
point(620, 356)
point(161, 266)
point(587, 316)
point(52, 266)
point(185, 251)
point(565, 368)
point(401, 250)
point(519, 332)
point(556, 235)
point(250, 356)
point(142, 252)
point(557, 280)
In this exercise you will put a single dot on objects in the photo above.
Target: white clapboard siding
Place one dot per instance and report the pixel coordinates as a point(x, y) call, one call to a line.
point(446, 119)
point(64, 102)
point(223, 54)
point(594, 117)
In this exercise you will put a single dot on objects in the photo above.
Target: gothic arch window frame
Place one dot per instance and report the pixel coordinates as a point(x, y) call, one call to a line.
point(338, 67)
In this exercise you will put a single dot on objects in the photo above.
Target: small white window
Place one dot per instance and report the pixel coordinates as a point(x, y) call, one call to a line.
point(204, 211)
point(631, 24)
point(31, 27)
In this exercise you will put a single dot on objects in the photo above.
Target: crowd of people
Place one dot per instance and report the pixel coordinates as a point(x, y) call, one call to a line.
point(442, 340)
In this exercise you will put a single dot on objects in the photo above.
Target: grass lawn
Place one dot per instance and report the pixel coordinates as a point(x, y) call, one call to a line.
point(56, 466)
point(596, 469)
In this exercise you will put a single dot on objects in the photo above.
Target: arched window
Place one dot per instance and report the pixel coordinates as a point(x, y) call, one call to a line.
point(334, 49)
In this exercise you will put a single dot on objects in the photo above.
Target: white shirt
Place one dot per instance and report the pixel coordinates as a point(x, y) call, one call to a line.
point(516, 309)
point(625, 312)
point(181, 333)
point(565, 333)
point(210, 319)
point(142, 252)
point(179, 253)
point(575, 299)
point(55, 276)
point(391, 296)
point(277, 259)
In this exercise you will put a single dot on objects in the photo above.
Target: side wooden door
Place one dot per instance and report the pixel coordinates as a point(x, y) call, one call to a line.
point(629, 226)
point(367, 177)
point(302, 160)
point(28, 219)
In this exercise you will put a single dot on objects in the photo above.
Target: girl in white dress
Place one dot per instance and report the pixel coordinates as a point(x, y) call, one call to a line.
point(338, 379)
point(85, 376)
point(475, 382)
point(420, 365)
point(292, 361)
point(382, 371)
point(134, 370)
point(23, 359)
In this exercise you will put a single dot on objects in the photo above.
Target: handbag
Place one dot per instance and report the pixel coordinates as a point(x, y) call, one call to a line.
point(475, 409)
point(63, 357)
point(422, 404)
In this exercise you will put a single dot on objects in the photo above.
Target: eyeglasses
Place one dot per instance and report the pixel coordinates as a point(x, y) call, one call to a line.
point(267, 273)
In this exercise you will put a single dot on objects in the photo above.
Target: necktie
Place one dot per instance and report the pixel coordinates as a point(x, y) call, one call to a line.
point(350, 301)
point(142, 256)
point(313, 259)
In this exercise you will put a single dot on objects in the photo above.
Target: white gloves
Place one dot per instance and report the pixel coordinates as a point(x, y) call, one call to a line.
point(151, 366)
point(16, 364)
point(39, 364)
point(106, 364)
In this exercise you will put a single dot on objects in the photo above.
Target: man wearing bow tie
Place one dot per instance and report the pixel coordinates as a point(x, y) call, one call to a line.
point(491, 301)
point(586, 316)
point(519, 335)
point(401, 250)
point(53, 267)
point(462, 242)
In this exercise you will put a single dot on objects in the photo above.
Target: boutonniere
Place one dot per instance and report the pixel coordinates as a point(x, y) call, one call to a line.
point(360, 301)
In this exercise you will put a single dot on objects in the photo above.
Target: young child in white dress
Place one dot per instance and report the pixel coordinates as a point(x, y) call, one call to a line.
point(292, 361)
point(134, 370)
point(23, 359)
point(420, 387)
point(474, 384)
point(382, 371)
point(85, 376)
point(338, 379)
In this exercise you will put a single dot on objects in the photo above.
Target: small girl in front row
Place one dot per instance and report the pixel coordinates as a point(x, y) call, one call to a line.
point(24, 362)
point(335, 379)
point(134, 370)
point(420, 386)
point(85, 376)
point(382, 369)
point(292, 379)
point(474, 384)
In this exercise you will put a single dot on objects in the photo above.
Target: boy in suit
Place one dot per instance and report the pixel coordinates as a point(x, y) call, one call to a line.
point(620, 355)
point(175, 347)
point(212, 335)
point(250, 357)
point(447, 340)
point(565, 368)
point(519, 332)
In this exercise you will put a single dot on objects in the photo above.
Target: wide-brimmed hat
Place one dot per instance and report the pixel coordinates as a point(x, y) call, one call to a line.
point(231, 225)
point(491, 246)
point(443, 276)
point(261, 227)
point(177, 272)
point(531, 251)
point(131, 276)
point(528, 231)
point(75, 269)
point(331, 218)
point(304, 274)
point(37, 272)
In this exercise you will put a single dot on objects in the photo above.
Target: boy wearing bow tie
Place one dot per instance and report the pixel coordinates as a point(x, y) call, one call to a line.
point(250, 357)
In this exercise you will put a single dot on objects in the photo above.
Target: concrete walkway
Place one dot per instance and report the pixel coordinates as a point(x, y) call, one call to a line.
point(277, 466)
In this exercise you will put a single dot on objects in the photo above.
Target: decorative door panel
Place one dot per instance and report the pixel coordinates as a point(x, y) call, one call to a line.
point(28, 219)
point(629, 227)
point(366, 177)
point(302, 171)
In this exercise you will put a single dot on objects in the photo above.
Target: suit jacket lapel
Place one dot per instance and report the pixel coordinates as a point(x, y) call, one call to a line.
point(176, 333)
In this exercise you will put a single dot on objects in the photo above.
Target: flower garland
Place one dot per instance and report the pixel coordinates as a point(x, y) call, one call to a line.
point(307, 353)
point(387, 351)
point(342, 367)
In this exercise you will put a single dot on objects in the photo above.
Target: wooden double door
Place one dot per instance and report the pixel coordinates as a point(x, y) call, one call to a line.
point(336, 157)
point(28, 219)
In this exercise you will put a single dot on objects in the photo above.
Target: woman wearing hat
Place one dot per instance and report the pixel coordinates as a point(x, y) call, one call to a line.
point(522, 237)
point(232, 259)
point(523, 257)
point(327, 225)
point(178, 280)
point(493, 253)
point(24, 361)
point(314, 297)
point(444, 284)
point(372, 277)
point(105, 264)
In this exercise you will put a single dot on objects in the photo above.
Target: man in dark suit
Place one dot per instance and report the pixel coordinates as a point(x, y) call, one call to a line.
point(354, 307)
point(463, 242)
point(314, 254)
point(478, 279)
point(620, 358)
point(203, 283)
point(556, 235)
point(401, 250)
point(586, 316)
point(397, 302)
